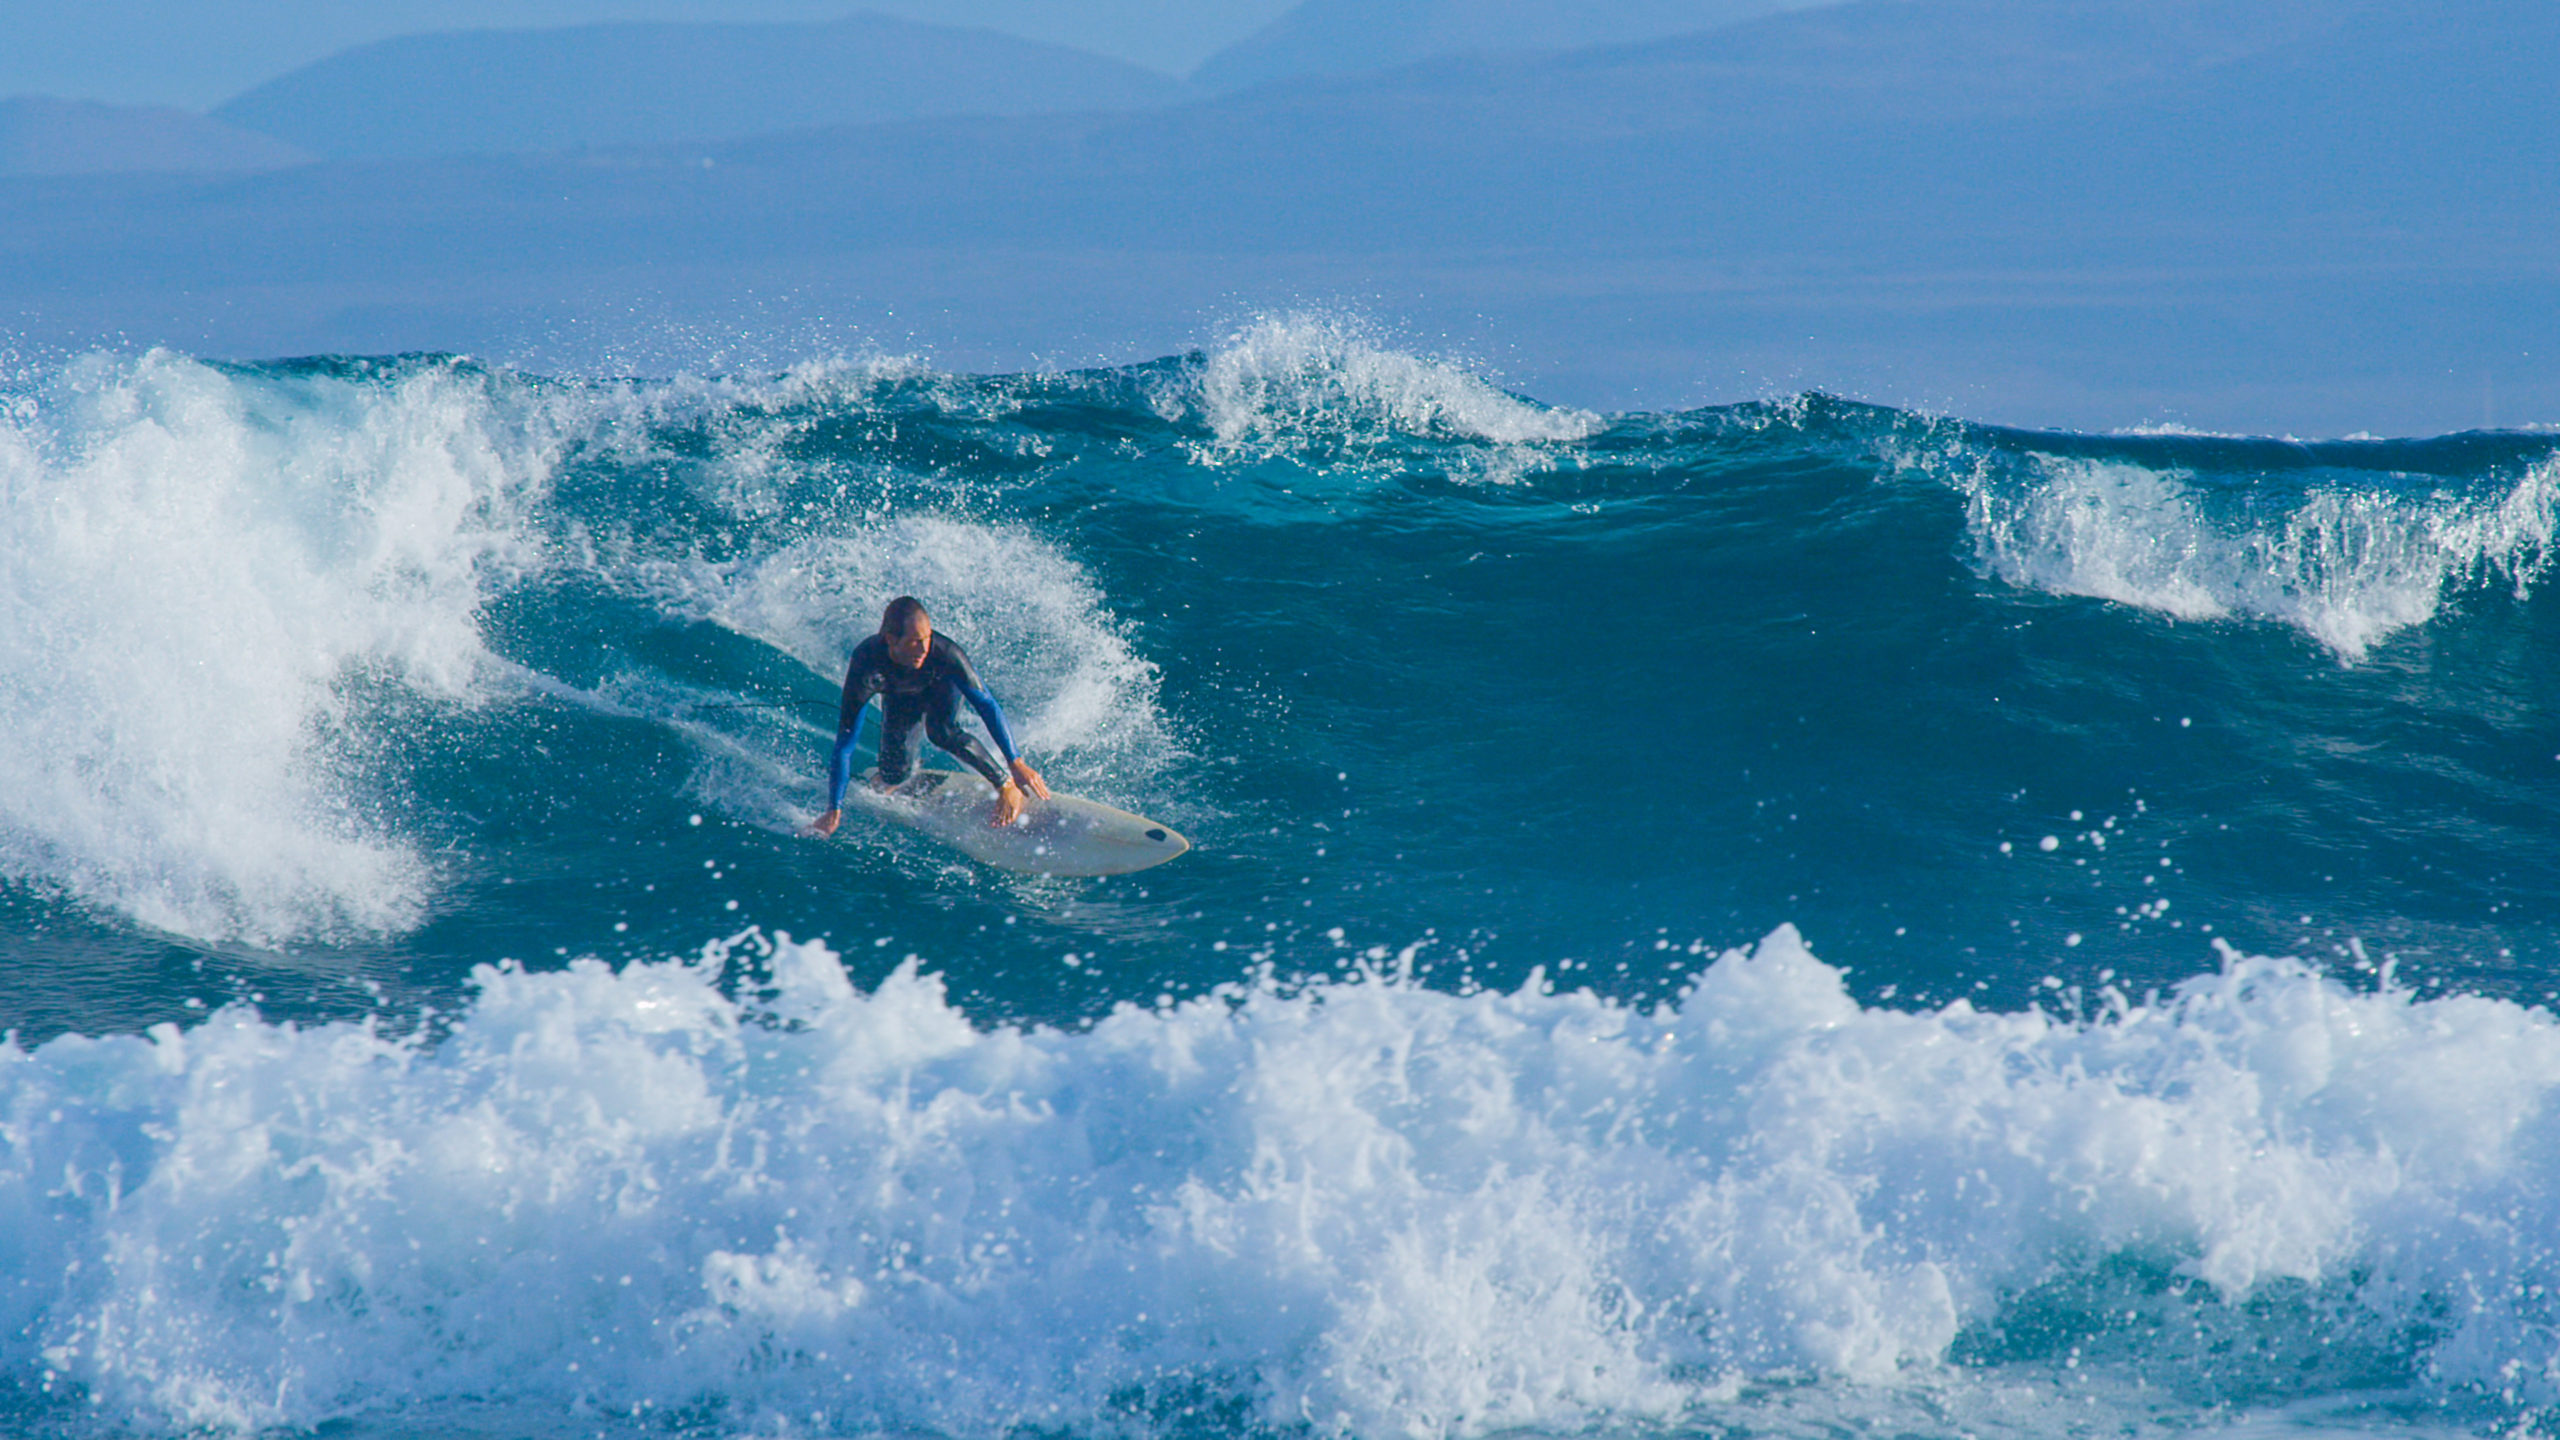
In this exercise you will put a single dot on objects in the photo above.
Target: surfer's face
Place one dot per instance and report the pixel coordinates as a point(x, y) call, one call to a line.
point(909, 646)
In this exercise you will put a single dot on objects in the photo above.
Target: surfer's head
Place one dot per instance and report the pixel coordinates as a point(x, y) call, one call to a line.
point(907, 631)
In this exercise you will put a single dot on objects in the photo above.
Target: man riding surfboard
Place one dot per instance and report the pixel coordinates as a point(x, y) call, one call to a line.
point(920, 678)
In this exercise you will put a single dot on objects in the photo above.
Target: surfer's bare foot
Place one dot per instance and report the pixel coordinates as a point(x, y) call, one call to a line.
point(825, 825)
point(1009, 804)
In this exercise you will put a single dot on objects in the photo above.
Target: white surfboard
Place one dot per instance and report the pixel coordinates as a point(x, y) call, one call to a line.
point(1062, 835)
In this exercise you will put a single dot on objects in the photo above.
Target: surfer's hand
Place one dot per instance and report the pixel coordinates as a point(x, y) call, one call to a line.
point(1030, 779)
point(1009, 804)
point(825, 825)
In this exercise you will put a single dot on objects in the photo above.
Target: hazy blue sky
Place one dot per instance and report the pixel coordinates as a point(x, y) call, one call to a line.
point(195, 54)
point(2256, 215)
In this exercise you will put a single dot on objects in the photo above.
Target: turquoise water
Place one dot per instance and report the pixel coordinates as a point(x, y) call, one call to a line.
point(1787, 918)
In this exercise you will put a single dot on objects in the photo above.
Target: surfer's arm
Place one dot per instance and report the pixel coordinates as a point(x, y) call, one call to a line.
point(992, 715)
point(857, 694)
point(1009, 788)
point(840, 764)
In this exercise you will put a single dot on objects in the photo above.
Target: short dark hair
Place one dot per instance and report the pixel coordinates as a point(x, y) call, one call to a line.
point(902, 615)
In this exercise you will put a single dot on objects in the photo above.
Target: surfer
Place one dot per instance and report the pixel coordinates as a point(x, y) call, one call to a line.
point(921, 678)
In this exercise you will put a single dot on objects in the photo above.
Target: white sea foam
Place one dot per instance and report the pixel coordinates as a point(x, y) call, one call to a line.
point(1283, 380)
point(193, 564)
point(2348, 566)
point(1370, 1206)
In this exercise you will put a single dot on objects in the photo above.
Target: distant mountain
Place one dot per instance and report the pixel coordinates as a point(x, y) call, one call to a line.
point(1905, 90)
point(1345, 37)
point(1940, 120)
point(44, 136)
point(2138, 130)
point(500, 91)
point(1955, 58)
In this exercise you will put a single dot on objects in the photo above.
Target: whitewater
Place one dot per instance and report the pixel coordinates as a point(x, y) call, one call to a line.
point(1791, 918)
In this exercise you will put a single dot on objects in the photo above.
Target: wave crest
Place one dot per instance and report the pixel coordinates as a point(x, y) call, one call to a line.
point(2348, 564)
point(1287, 382)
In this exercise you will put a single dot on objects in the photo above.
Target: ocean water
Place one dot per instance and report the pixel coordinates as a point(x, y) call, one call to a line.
point(1791, 918)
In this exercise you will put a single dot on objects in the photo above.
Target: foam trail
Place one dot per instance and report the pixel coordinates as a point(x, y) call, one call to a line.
point(1035, 624)
point(1366, 1207)
point(197, 563)
point(2349, 566)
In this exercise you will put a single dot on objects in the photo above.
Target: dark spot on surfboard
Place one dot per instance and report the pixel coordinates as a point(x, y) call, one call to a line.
point(1155, 834)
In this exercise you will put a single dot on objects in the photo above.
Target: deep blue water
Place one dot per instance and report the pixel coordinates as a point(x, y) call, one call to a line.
point(426, 746)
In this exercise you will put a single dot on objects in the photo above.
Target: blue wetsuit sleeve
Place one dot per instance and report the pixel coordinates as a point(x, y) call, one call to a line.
point(840, 764)
point(964, 678)
point(993, 715)
point(857, 694)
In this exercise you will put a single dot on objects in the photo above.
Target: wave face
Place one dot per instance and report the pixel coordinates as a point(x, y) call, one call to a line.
point(386, 739)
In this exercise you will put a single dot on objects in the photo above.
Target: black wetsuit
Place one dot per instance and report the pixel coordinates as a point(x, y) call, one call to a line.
point(929, 694)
